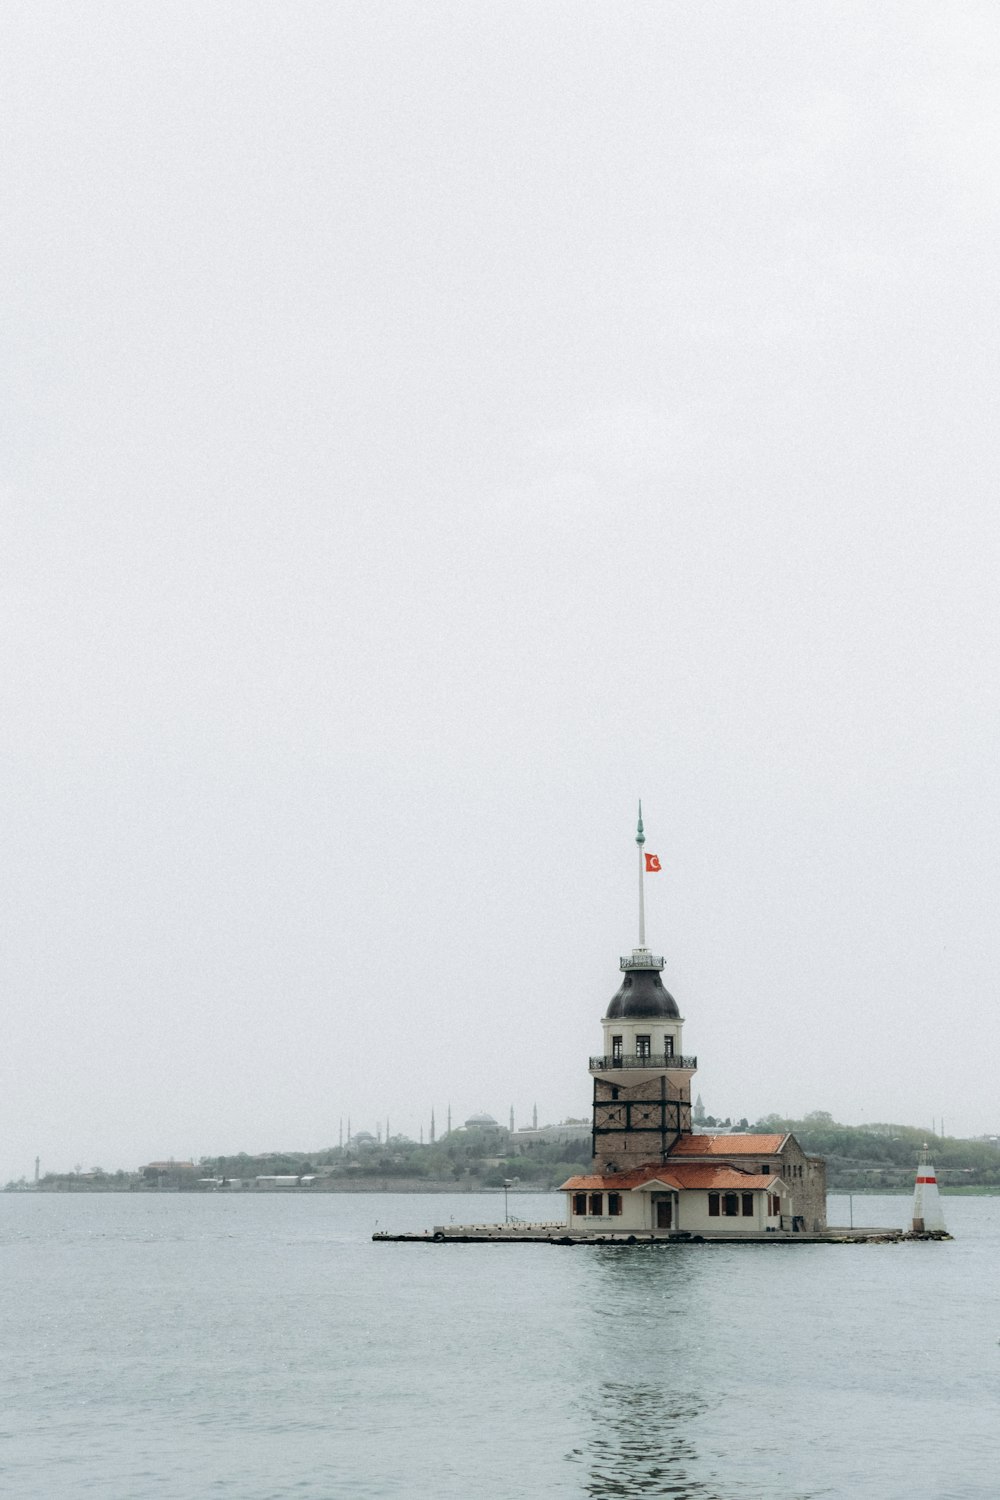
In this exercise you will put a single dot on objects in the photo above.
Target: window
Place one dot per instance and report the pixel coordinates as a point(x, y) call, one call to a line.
point(614, 1204)
point(773, 1205)
point(579, 1203)
point(668, 1046)
point(643, 1046)
point(747, 1205)
point(616, 1047)
point(597, 1204)
point(730, 1204)
point(614, 1091)
point(713, 1205)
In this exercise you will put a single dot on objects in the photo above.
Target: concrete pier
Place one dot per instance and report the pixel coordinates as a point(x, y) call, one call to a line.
point(558, 1234)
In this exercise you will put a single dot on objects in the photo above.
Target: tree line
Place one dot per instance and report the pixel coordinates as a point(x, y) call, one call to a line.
point(884, 1156)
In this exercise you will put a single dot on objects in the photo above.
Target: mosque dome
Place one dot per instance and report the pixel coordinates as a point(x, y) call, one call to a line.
point(478, 1122)
point(642, 997)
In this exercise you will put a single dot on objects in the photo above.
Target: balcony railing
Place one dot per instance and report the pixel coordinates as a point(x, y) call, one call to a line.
point(641, 958)
point(655, 1062)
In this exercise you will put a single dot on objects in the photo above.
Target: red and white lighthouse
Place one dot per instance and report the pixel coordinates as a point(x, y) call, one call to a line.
point(927, 1215)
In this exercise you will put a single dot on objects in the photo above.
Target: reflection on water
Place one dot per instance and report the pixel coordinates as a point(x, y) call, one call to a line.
point(644, 1406)
point(642, 1444)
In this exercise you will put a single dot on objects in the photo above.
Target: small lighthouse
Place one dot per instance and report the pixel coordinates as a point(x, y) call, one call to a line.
point(927, 1215)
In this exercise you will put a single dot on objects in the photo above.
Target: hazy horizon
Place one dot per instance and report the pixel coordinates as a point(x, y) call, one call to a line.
point(430, 428)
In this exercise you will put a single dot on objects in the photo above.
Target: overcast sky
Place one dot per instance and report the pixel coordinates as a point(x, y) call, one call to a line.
point(427, 428)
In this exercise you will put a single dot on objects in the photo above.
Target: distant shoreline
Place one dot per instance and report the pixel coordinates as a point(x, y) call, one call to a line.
point(388, 1185)
point(316, 1189)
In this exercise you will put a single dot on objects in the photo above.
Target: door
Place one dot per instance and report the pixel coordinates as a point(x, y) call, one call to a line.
point(664, 1213)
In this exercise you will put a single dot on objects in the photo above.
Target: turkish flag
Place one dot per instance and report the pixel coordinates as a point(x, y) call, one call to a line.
point(652, 863)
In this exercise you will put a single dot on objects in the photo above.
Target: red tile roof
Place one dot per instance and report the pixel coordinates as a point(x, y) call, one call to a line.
point(623, 1181)
point(679, 1175)
point(723, 1178)
point(728, 1145)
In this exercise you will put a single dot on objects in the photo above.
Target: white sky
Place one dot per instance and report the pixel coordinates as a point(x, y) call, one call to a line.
point(427, 428)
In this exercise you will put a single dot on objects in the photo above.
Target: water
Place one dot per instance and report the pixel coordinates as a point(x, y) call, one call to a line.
point(186, 1347)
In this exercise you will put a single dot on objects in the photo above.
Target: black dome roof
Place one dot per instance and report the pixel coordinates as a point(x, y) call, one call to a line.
point(642, 996)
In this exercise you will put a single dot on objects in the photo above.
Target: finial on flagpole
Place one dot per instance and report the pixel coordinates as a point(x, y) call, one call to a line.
point(640, 957)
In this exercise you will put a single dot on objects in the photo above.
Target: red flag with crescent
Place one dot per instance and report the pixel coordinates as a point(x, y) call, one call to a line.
point(652, 863)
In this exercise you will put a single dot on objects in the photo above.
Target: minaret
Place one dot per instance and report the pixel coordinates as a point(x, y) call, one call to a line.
point(512, 1119)
point(449, 1119)
point(534, 1117)
point(433, 1137)
point(642, 1080)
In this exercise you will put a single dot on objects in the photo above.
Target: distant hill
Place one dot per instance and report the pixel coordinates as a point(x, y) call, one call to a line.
point(883, 1157)
point(878, 1158)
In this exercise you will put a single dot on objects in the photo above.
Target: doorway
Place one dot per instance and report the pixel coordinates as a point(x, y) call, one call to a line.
point(664, 1213)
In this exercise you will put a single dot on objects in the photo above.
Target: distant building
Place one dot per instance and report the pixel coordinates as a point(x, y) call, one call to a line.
point(569, 1133)
point(170, 1176)
point(362, 1140)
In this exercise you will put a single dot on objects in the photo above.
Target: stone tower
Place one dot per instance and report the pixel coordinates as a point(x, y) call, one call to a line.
point(642, 1079)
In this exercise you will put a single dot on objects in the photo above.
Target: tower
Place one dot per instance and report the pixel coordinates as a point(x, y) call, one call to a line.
point(642, 1079)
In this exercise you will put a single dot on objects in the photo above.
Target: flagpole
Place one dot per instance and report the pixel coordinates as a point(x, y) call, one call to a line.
point(640, 839)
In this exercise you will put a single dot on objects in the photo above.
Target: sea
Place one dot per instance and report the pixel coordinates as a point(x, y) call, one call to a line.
point(261, 1346)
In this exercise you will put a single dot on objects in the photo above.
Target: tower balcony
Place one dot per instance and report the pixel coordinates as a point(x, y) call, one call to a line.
point(641, 958)
point(655, 1062)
